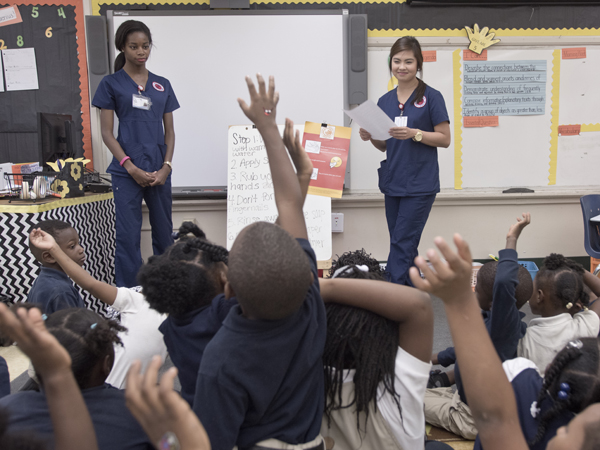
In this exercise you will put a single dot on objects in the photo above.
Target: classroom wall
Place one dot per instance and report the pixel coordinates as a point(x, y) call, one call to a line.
point(481, 215)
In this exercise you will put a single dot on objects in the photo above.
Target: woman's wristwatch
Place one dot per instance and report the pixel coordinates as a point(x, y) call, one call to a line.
point(418, 137)
point(168, 163)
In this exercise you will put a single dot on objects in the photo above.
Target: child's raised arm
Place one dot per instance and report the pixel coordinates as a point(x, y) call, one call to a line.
point(405, 305)
point(102, 291)
point(288, 196)
point(161, 411)
point(515, 231)
point(490, 395)
point(73, 429)
point(302, 163)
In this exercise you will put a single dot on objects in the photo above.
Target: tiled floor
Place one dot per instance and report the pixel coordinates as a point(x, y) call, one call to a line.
point(16, 360)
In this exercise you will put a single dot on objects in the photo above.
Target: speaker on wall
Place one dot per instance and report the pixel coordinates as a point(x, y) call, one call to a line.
point(357, 58)
point(97, 51)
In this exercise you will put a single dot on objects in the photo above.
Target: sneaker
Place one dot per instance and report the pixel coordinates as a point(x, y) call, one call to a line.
point(438, 379)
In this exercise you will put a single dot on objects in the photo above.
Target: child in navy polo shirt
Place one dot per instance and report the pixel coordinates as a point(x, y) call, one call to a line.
point(261, 383)
point(53, 289)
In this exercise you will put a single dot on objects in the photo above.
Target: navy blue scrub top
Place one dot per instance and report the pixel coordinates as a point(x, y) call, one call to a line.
point(411, 168)
point(141, 133)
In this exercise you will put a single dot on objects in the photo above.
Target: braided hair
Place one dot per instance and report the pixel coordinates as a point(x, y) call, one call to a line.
point(361, 340)
point(182, 279)
point(564, 279)
point(578, 367)
point(86, 336)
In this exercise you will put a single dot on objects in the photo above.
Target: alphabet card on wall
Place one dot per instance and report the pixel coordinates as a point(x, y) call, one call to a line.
point(250, 195)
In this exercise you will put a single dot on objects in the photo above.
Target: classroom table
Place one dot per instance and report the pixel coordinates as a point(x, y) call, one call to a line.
point(93, 216)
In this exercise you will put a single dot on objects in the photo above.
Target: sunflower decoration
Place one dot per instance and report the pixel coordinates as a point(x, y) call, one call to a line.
point(61, 187)
point(75, 171)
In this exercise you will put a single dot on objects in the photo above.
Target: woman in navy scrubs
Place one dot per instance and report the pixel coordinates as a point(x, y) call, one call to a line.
point(409, 177)
point(141, 167)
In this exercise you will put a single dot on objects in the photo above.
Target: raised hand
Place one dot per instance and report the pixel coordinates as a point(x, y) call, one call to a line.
point(515, 230)
point(161, 410)
point(451, 279)
point(42, 240)
point(263, 103)
point(302, 162)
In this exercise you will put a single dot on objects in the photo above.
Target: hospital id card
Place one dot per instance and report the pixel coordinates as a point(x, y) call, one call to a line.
point(401, 121)
point(141, 102)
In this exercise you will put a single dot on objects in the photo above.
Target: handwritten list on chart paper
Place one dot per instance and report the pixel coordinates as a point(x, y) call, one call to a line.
point(504, 88)
point(250, 195)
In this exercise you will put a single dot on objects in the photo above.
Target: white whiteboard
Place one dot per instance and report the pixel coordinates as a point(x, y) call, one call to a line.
point(206, 55)
point(250, 196)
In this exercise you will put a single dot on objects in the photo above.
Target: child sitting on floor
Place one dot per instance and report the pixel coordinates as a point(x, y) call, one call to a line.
point(89, 340)
point(571, 386)
point(260, 382)
point(376, 358)
point(186, 282)
point(142, 340)
point(53, 290)
point(558, 286)
point(510, 286)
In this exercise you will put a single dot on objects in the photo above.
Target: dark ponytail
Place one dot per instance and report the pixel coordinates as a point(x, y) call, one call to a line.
point(575, 371)
point(409, 43)
point(124, 30)
point(182, 279)
point(564, 278)
point(87, 337)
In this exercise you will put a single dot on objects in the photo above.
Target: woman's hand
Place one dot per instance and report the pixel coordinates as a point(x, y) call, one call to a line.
point(160, 176)
point(140, 176)
point(364, 134)
point(402, 133)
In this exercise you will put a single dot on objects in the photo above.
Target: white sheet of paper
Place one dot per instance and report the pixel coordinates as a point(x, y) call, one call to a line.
point(20, 69)
point(372, 118)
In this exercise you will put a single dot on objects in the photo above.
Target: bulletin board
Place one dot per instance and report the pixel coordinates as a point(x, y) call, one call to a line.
point(55, 31)
point(522, 150)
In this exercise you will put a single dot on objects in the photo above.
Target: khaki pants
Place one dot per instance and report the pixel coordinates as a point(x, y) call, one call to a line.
point(444, 409)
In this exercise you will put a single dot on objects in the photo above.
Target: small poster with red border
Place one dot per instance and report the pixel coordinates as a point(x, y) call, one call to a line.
point(327, 147)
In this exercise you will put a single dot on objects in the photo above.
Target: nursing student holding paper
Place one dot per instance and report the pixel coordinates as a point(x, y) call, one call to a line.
point(409, 177)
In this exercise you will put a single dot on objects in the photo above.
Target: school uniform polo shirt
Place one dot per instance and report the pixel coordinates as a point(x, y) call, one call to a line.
point(527, 383)
point(264, 379)
point(141, 132)
point(116, 428)
point(411, 168)
point(53, 290)
point(187, 335)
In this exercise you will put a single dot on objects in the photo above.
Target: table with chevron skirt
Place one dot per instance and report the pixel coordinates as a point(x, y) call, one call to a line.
point(93, 216)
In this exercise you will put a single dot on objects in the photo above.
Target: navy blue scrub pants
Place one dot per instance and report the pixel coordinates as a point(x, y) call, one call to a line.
point(406, 218)
point(128, 208)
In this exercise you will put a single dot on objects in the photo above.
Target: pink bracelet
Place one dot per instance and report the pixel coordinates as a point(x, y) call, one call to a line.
point(124, 160)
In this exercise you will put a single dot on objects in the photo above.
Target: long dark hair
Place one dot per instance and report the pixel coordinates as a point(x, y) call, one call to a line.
point(361, 340)
point(409, 43)
point(124, 30)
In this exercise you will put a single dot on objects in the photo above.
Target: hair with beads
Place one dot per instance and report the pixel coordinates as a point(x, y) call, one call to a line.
point(361, 340)
point(125, 29)
point(184, 278)
point(562, 278)
point(87, 337)
point(409, 43)
point(575, 371)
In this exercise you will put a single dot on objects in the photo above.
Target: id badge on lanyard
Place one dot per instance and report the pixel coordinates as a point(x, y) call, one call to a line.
point(140, 101)
point(401, 120)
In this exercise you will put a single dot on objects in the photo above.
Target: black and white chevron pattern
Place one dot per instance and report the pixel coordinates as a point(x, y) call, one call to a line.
point(95, 223)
